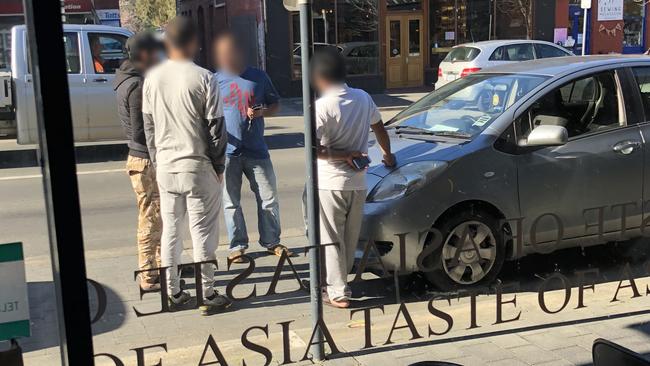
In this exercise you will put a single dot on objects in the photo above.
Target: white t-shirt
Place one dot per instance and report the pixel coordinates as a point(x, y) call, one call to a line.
point(180, 96)
point(343, 119)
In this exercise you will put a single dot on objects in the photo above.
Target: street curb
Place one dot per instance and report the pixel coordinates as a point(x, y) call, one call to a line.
point(23, 158)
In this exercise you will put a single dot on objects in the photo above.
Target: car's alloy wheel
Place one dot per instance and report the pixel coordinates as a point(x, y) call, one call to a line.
point(469, 252)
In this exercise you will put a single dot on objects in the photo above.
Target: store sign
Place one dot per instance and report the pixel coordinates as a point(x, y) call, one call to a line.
point(610, 10)
point(14, 308)
point(109, 17)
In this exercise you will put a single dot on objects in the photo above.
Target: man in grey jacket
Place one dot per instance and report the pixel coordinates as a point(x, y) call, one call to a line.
point(143, 50)
point(186, 137)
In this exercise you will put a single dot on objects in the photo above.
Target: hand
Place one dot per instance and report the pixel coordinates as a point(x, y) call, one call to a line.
point(252, 113)
point(353, 155)
point(389, 160)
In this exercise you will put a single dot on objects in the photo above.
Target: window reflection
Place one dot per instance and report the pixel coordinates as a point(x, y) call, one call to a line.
point(349, 25)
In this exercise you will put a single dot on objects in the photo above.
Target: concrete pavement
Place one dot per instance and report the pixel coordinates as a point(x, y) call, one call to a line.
point(536, 338)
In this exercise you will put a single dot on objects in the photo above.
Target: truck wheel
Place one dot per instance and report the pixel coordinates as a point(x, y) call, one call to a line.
point(471, 254)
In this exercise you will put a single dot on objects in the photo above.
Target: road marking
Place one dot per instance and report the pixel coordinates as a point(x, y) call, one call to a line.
point(89, 172)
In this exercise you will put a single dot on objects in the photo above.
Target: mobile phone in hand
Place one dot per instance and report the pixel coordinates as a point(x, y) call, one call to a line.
point(255, 107)
point(361, 162)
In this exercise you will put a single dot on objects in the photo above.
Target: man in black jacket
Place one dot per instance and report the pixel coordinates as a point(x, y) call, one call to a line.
point(143, 51)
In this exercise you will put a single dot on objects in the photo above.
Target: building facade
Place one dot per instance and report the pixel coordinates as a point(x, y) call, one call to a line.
point(399, 43)
point(76, 12)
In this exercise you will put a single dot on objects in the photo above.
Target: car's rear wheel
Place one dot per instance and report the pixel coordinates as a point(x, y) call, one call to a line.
point(471, 254)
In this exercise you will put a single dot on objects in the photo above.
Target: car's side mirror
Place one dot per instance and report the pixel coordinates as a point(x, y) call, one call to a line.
point(547, 135)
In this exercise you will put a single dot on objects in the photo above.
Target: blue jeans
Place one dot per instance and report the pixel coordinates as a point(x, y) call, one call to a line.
point(261, 177)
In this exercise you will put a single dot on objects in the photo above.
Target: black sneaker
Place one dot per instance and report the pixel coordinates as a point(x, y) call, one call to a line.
point(215, 304)
point(176, 301)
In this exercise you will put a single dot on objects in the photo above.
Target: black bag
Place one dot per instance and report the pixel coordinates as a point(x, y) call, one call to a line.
point(13, 356)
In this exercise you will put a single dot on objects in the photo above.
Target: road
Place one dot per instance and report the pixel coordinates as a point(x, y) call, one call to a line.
point(108, 203)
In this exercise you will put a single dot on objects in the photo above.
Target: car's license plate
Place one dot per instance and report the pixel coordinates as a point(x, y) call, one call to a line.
point(450, 77)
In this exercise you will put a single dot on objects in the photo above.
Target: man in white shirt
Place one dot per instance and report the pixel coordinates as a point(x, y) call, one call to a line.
point(186, 137)
point(344, 117)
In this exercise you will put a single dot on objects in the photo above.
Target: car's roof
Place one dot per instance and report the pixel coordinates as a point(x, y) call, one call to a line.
point(87, 27)
point(500, 42)
point(563, 65)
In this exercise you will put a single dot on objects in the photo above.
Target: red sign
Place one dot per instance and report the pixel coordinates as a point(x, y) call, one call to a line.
point(13, 7)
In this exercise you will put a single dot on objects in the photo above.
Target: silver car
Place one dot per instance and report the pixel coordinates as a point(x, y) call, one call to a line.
point(523, 158)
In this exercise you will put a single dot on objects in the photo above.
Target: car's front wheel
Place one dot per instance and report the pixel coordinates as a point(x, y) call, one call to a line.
point(471, 254)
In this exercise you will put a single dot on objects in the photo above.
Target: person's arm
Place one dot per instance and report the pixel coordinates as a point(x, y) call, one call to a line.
point(271, 100)
point(150, 135)
point(325, 153)
point(216, 128)
point(384, 143)
point(148, 125)
point(135, 131)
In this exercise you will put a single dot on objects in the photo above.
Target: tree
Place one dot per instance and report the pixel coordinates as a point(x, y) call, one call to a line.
point(139, 15)
point(519, 8)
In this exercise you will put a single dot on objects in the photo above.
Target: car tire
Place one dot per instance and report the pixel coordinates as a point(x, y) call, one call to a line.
point(444, 275)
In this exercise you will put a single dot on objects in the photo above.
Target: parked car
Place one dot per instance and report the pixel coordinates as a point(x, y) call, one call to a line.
point(541, 140)
point(92, 99)
point(468, 58)
point(360, 57)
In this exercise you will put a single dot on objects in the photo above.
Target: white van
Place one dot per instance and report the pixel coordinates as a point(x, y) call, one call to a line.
point(90, 79)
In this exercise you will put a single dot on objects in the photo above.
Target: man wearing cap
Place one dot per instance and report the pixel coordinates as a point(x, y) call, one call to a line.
point(143, 54)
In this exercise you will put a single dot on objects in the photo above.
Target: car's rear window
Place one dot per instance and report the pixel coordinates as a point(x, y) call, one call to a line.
point(462, 54)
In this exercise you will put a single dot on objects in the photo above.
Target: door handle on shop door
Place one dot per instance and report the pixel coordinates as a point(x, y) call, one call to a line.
point(626, 147)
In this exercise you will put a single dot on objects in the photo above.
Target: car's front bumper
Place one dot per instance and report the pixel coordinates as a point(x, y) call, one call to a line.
point(399, 229)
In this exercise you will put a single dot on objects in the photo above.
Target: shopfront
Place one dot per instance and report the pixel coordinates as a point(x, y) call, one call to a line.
point(392, 44)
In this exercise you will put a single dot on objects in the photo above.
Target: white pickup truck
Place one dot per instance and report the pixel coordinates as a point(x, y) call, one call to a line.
point(93, 54)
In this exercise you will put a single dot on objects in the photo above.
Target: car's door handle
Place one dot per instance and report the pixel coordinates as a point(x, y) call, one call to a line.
point(100, 80)
point(626, 147)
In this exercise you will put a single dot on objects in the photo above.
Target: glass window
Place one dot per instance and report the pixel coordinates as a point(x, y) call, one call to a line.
point(395, 38)
point(5, 49)
point(642, 76)
point(513, 52)
point(73, 61)
point(633, 15)
point(108, 51)
point(547, 51)
point(462, 54)
point(414, 37)
point(582, 106)
point(350, 25)
point(468, 106)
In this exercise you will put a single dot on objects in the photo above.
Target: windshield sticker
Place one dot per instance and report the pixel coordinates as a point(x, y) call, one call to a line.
point(482, 120)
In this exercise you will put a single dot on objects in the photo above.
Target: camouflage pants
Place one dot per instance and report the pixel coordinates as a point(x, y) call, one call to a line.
point(143, 180)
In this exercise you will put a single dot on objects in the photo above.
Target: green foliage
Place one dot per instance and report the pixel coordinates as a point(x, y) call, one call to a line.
point(150, 14)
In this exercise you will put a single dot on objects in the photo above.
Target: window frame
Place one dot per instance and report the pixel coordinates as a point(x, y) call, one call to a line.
point(621, 79)
point(505, 46)
point(90, 33)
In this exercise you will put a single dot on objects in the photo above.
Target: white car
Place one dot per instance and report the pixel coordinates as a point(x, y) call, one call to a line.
point(92, 99)
point(467, 58)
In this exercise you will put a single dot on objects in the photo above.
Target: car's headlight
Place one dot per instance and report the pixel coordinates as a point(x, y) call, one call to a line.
point(406, 179)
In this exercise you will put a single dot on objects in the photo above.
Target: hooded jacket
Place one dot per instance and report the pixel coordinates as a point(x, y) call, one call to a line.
point(128, 86)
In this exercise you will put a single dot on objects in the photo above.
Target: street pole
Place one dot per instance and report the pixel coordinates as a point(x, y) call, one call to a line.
point(313, 229)
point(584, 32)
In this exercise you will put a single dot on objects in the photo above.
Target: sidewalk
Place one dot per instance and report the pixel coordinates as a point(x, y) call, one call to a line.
point(536, 338)
point(394, 100)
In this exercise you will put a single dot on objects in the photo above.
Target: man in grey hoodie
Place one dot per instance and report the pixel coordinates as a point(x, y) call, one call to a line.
point(143, 51)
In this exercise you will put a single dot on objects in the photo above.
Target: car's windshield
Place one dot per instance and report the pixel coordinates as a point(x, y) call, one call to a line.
point(467, 106)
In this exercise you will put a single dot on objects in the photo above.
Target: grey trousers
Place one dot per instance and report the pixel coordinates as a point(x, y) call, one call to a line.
point(197, 196)
point(341, 214)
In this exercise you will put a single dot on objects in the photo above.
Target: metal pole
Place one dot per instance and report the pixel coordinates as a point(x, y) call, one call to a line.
point(57, 159)
point(313, 229)
point(584, 32)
